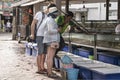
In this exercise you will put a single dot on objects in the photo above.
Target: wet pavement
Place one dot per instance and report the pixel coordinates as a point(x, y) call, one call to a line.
point(14, 64)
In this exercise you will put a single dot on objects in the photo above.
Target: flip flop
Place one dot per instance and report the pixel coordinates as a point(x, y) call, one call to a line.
point(45, 70)
point(53, 75)
point(41, 72)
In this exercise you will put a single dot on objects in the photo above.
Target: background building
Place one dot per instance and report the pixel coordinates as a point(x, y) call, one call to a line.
point(94, 11)
point(5, 12)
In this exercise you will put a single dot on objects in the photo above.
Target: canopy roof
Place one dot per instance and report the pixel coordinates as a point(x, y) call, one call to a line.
point(89, 1)
point(26, 2)
point(31, 2)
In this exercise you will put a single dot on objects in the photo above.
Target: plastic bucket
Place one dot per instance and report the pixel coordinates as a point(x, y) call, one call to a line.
point(72, 74)
point(66, 60)
point(28, 50)
point(34, 49)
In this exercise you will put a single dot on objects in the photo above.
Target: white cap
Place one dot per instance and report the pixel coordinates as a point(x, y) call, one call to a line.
point(53, 10)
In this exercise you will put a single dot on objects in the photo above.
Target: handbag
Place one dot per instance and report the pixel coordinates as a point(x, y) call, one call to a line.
point(54, 45)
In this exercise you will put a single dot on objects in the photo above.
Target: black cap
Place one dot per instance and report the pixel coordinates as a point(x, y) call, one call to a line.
point(69, 13)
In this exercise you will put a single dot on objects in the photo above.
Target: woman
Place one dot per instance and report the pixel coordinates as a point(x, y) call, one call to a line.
point(51, 39)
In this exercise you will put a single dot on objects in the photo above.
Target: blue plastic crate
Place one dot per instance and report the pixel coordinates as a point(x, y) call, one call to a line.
point(84, 74)
point(108, 58)
point(85, 53)
point(98, 76)
point(66, 49)
point(118, 62)
point(76, 51)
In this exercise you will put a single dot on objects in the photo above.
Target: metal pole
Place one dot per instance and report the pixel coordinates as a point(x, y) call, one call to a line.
point(118, 9)
point(20, 16)
point(69, 45)
point(0, 22)
point(67, 6)
point(17, 20)
point(107, 9)
point(95, 44)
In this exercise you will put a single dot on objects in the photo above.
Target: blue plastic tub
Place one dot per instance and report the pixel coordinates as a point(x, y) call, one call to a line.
point(85, 53)
point(76, 51)
point(66, 48)
point(118, 62)
point(98, 76)
point(84, 74)
point(107, 57)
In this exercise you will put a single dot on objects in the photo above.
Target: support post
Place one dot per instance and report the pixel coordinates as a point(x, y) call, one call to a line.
point(118, 9)
point(67, 6)
point(14, 24)
point(95, 44)
point(18, 20)
point(107, 9)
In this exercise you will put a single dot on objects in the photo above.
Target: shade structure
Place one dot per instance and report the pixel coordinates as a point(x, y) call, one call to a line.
point(32, 2)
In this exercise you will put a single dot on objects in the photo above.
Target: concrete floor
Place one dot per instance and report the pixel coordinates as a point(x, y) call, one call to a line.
point(14, 64)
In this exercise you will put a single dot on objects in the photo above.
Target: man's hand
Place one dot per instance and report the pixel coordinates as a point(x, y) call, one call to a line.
point(32, 37)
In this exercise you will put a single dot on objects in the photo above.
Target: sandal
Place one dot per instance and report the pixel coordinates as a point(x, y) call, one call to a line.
point(41, 72)
point(53, 75)
point(45, 70)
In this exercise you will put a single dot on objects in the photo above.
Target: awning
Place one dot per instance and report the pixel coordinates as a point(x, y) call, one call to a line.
point(19, 3)
point(88, 1)
point(32, 2)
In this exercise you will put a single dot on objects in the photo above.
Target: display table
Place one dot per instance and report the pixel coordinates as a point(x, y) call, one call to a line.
point(92, 69)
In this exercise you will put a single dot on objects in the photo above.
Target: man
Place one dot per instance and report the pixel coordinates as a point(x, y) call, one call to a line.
point(8, 25)
point(38, 18)
point(63, 22)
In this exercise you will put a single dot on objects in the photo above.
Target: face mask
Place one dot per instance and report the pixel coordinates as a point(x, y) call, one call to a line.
point(56, 13)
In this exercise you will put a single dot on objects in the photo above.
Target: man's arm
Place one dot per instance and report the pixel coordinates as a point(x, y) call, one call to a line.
point(34, 22)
